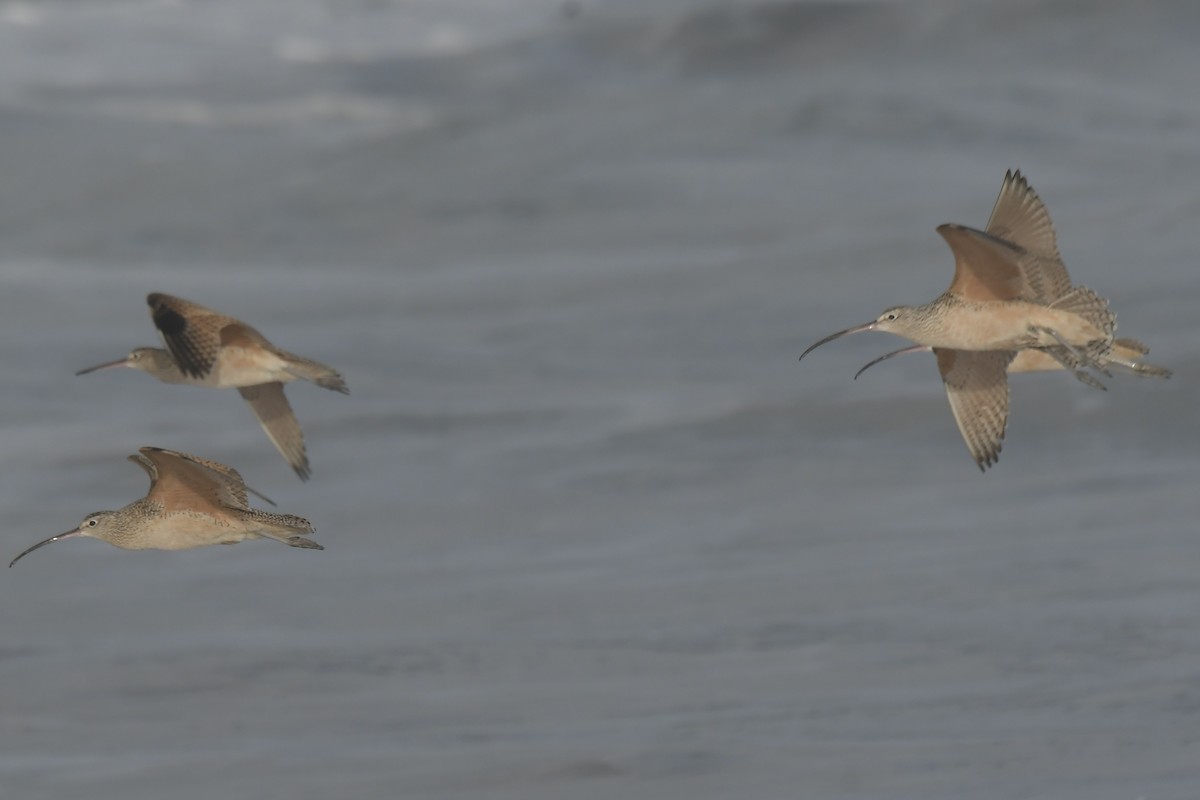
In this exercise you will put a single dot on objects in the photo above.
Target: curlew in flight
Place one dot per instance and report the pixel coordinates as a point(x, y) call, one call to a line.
point(1010, 293)
point(205, 348)
point(1126, 356)
point(192, 502)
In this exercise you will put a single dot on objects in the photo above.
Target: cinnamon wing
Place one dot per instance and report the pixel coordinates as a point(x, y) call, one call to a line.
point(181, 478)
point(986, 268)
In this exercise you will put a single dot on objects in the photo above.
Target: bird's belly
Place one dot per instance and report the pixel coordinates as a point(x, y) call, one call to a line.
point(236, 366)
point(1073, 328)
point(183, 531)
point(1009, 326)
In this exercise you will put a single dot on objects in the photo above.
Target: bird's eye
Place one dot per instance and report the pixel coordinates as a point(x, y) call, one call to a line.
point(91, 523)
point(891, 316)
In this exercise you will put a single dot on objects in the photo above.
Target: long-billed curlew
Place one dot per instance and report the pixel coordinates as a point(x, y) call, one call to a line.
point(205, 348)
point(1010, 292)
point(1126, 356)
point(193, 502)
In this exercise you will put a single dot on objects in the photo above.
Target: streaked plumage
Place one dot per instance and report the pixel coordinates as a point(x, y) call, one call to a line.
point(1125, 356)
point(192, 502)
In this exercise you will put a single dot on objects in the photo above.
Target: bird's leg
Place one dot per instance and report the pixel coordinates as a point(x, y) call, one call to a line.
point(1080, 375)
point(1071, 360)
point(1071, 364)
point(1079, 356)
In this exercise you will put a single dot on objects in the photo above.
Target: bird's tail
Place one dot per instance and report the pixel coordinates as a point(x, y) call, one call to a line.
point(1127, 356)
point(1132, 347)
point(283, 528)
point(1093, 308)
point(318, 373)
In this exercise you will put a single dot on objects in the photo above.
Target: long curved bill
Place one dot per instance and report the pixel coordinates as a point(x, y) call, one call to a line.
point(66, 535)
point(870, 326)
point(120, 362)
point(916, 348)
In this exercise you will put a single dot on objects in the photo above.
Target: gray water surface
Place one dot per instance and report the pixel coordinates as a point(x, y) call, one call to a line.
point(592, 532)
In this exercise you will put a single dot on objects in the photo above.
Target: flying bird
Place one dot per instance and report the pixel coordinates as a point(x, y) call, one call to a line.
point(1010, 293)
point(205, 348)
point(192, 502)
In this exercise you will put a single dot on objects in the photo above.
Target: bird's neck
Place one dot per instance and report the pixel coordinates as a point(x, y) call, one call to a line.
point(164, 368)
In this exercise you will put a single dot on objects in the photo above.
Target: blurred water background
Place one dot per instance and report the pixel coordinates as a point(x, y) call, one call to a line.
point(592, 532)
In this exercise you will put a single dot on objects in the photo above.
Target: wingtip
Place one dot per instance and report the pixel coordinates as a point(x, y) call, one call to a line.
point(990, 457)
point(1013, 177)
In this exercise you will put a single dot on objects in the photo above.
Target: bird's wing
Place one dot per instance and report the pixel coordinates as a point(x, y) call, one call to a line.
point(239, 334)
point(270, 405)
point(183, 479)
point(977, 388)
point(986, 267)
point(178, 481)
point(194, 334)
point(1020, 217)
point(147, 465)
